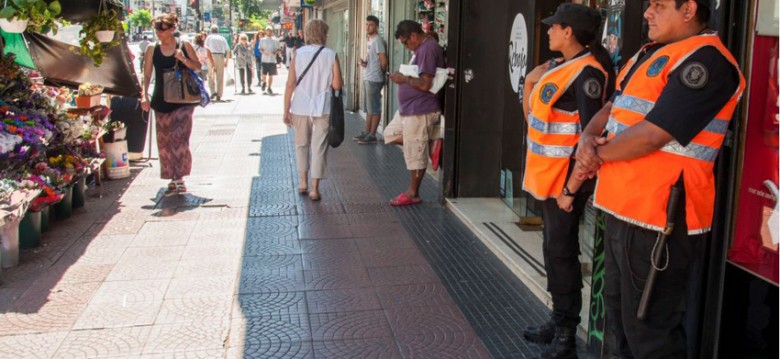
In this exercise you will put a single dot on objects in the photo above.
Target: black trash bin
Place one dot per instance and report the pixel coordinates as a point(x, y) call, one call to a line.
point(128, 110)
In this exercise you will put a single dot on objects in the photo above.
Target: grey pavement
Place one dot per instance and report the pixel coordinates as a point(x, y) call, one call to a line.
point(243, 267)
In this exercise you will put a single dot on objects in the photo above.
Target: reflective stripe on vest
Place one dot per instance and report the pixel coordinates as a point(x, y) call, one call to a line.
point(553, 128)
point(693, 150)
point(550, 151)
point(552, 132)
point(637, 190)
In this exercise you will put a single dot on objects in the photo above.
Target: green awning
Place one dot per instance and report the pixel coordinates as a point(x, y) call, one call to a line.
point(14, 43)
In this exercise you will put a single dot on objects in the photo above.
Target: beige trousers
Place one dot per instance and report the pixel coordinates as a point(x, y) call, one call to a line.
point(311, 144)
point(218, 75)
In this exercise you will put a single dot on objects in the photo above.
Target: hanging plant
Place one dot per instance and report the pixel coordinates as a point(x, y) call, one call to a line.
point(40, 16)
point(95, 42)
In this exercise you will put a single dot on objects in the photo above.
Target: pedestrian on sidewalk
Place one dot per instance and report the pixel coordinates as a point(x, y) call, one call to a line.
point(174, 121)
point(314, 71)
point(204, 56)
point(220, 51)
point(374, 69)
point(419, 108)
point(142, 49)
point(666, 123)
point(258, 56)
point(243, 54)
point(269, 47)
point(289, 48)
point(560, 97)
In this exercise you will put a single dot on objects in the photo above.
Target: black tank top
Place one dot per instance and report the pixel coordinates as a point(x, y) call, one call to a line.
point(162, 63)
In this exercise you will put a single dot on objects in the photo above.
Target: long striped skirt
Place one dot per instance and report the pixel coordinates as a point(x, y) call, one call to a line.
point(173, 142)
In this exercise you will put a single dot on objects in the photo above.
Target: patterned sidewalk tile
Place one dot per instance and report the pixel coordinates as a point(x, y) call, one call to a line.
point(270, 281)
point(435, 331)
point(348, 261)
point(85, 253)
point(138, 291)
point(158, 253)
point(43, 292)
point(200, 310)
point(82, 273)
point(375, 348)
point(269, 304)
point(31, 345)
point(411, 274)
point(139, 269)
point(409, 295)
point(102, 343)
point(349, 325)
point(47, 318)
point(201, 287)
point(289, 262)
point(271, 349)
point(113, 315)
point(269, 332)
point(168, 338)
point(337, 279)
point(386, 257)
point(342, 300)
point(207, 267)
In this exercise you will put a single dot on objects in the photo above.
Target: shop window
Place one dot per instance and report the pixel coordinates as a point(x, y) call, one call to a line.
point(432, 15)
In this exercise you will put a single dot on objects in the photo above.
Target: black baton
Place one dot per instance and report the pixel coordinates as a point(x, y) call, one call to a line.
point(671, 207)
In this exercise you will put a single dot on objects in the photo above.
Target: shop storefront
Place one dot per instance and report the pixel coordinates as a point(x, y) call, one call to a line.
point(493, 47)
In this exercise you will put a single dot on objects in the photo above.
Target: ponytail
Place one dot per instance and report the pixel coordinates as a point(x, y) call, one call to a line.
point(589, 38)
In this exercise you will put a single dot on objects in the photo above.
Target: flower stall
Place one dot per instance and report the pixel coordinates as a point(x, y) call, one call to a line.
point(48, 146)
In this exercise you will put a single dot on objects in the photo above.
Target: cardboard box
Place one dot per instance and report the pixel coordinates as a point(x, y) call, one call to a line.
point(87, 101)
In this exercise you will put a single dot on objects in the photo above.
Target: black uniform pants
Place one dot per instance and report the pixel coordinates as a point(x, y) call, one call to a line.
point(627, 250)
point(561, 249)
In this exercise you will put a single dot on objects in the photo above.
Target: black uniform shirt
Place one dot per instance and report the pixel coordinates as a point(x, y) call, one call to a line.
point(581, 95)
point(686, 106)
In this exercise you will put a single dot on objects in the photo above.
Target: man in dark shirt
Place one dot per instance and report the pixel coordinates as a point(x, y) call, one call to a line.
point(700, 85)
point(289, 47)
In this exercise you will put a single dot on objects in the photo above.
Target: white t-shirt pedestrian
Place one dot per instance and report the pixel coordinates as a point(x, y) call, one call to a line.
point(217, 44)
point(269, 47)
point(373, 70)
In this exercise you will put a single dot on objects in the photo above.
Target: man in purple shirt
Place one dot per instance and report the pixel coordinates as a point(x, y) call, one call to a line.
point(420, 109)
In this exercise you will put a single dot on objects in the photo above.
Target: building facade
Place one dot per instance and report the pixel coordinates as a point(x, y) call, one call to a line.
point(490, 48)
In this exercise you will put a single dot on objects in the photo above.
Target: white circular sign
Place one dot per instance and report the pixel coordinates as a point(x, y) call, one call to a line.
point(518, 52)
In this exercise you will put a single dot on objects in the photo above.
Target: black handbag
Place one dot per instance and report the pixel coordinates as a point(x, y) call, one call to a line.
point(336, 121)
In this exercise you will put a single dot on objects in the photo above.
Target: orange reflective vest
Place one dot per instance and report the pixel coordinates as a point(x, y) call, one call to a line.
point(637, 191)
point(553, 133)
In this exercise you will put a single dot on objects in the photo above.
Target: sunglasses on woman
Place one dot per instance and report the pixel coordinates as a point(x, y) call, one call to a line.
point(162, 26)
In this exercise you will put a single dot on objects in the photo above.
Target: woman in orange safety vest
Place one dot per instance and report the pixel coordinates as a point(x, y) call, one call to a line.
point(560, 97)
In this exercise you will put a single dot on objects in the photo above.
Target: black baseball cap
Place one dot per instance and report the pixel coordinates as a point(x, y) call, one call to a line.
point(577, 16)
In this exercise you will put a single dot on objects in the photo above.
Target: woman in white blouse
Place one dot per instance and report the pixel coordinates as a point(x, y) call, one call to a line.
point(307, 104)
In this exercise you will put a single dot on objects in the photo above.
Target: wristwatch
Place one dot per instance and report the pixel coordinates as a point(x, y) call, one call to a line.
point(568, 193)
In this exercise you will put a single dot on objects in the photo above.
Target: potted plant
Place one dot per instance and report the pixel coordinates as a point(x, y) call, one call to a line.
point(99, 35)
point(35, 15)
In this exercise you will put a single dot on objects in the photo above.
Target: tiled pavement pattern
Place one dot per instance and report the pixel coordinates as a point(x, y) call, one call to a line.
point(242, 266)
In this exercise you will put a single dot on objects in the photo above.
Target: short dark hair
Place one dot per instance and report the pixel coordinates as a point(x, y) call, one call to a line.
point(373, 19)
point(406, 28)
point(702, 11)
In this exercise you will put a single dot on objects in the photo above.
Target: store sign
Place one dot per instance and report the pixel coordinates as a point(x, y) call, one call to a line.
point(518, 53)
